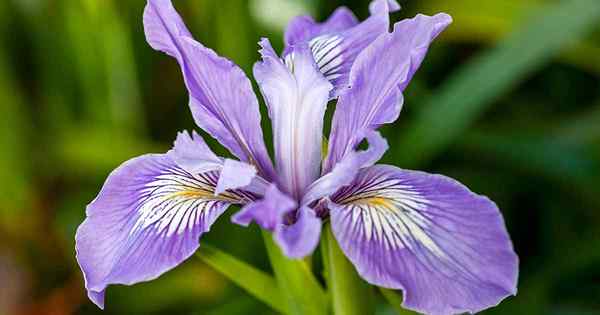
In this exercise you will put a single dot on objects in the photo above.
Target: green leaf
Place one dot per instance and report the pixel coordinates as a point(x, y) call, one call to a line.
point(300, 289)
point(256, 282)
point(489, 21)
point(479, 83)
point(104, 64)
point(584, 129)
point(351, 295)
point(540, 155)
point(237, 306)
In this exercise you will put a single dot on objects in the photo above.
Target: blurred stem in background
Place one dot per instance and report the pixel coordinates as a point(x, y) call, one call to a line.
point(15, 186)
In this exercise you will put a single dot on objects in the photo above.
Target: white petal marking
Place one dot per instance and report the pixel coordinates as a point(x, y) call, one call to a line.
point(177, 201)
point(391, 213)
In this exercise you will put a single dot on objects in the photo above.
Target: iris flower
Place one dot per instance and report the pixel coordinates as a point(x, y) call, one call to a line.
point(446, 247)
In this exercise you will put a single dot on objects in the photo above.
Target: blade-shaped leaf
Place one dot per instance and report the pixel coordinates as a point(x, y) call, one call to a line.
point(300, 289)
point(549, 157)
point(584, 129)
point(256, 282)
point(474, 87)
point(489, 21)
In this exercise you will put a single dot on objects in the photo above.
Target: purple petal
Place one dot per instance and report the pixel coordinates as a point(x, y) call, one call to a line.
point(268, 212)
point(192, 154)
point(234, 174)
point(346, 170)
point(379, 6)
point(419, 32)
point(377, 79)
point(299, 239)
point(296, 95)
point(428, 235)
point(304, 28)
point(147, 219)
point(297, 232)
point(337, 42)
point(221, 96)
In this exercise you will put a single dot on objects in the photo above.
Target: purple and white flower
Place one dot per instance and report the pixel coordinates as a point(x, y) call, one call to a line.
point(428, 235)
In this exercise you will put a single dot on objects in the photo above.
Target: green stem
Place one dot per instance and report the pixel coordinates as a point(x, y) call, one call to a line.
point(395, 300)
point(302, 292)
point(350, 294)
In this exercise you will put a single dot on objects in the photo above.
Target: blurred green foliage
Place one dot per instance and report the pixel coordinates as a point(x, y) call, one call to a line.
point(508, 102)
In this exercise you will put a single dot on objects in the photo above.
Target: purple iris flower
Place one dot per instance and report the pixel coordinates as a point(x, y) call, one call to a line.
point(428, 235)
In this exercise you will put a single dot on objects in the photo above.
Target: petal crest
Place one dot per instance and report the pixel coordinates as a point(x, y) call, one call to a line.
point(428, 235)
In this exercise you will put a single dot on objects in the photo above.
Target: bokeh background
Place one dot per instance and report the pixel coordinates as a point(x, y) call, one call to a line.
point(507, 101)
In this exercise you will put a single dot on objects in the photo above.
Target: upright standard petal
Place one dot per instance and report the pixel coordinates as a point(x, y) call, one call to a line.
point(377, 80)
point(149, 216)
point(304, 28)
point(221, 96)
point(296, 95)
point(444, 246)
point(337, 42)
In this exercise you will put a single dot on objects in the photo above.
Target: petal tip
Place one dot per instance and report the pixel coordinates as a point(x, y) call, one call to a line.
point(97, 298)
point(443, 19)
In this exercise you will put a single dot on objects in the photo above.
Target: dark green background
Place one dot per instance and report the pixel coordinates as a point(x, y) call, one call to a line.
point(507, 101)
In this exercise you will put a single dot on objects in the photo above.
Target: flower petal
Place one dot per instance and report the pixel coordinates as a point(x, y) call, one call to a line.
point(268, 212)
point(304, 28)
point(234, 174)
point(192, 154)
point(299, 239)
point(444, 246)
point(296, 95)
point(337, 42)
point(149, 216)
point(221, 96)
point(377, 79)
point(346, 170)
point(296, 231)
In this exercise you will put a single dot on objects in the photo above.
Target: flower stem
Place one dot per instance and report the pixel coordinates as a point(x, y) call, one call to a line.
point(302, 292)
point(395, 300)
point(350, 294)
